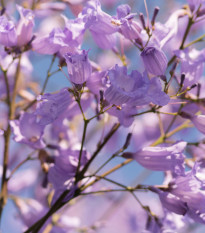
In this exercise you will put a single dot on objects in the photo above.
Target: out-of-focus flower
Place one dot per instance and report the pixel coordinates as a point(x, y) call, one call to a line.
point(199, 122)
point(155, 61)
point(50, 44)
point(25, 26)
point(163, 33)
point(51, 106)
point(79, 67)
point(8, 35)
point(171, 202)
point(190, 189)
point(23, 179)
point(100, 24)
point(191, 64)
point(27, 130)
point(61, 174)
point(20, 34)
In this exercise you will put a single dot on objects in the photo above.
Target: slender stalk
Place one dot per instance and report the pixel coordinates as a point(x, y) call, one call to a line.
point(99, 148)
point(48, 74)
point(81, 149)
point(173, 119)
point(195, 41)
point(11, 114)
point(59, 203)
point(190, 23)
point(2, 4)
point(21, 163)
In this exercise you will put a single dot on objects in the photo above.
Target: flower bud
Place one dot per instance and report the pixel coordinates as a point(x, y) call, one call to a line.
point(79, 68)
point(155, 61)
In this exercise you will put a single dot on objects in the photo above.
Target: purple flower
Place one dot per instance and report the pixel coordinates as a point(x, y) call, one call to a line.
point(100, 25)
point(171, 202)
point(21, 34)
point(163, 33)
point(194, 4)
point(162, 158)
point(190, 189)
point(51, 106)
point(61, 40)
point(61, 174)
point(127, 27)
point(29, 211)
point(133, 89)
point(25, 26)
point(27, 130)
point(79, 67)
point(155, 61)
point(50, 44)
point(191, 64)
point(199, 122)
point(122, 86)
point(8, 35)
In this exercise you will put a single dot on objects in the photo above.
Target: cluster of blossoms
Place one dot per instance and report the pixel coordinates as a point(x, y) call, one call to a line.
point(128, 90)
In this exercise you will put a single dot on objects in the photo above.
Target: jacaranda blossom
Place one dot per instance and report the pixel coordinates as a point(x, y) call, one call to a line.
point(155, 61)
point(162, 158)
point(79, 67)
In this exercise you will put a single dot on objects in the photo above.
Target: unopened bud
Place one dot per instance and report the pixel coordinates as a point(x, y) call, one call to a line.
point(142, 20)
point(2, 11)
point(185, 115)
point(101, 96)
point(193, 86)
point(128, 155)
point(127, 142)
point(154, 59)
point(201, 12)
point(156, 10)
point(182, 79)
point(173, 68)
point(198, 90)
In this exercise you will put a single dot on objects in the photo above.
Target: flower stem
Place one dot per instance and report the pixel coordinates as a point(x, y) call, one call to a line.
point(11, 105)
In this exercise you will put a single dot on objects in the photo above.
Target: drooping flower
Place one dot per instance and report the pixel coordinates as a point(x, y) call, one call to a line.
point(100, 24)
point(59, 40)
point(8, 35)
point(129, 28)
point(133, 89)
point(191, 64)
point(79, 67)
point(51, 106)
point(62, 174)
point(27, 130)
point(190, 189)
point(50, 44)
point(20, 34)
point(199, 122)
point(25, 26)
point(162, 158)
point(163, 33)
point(171, 202)
point(155, 61)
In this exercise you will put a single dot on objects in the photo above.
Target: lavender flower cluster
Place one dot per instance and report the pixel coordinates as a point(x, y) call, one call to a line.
point(133, 104)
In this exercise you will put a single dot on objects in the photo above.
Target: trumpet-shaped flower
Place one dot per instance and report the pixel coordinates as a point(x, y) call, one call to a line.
point(162, 158)
point(79, 67)
point(155, 61)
